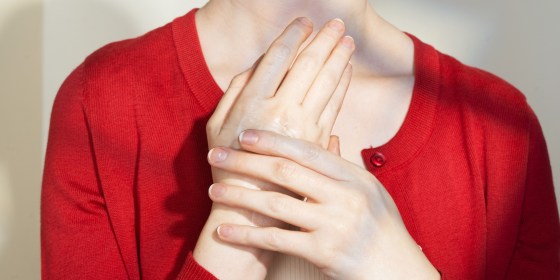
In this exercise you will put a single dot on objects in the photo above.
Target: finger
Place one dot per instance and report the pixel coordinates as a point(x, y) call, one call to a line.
point(310, 61)
point(334, 145)
point(306, 154)
point(278, 58)
point(279, 171)
point(295, 243)
point(221, 112)
point(329, 78)
point(271, 204)
point(331, 110)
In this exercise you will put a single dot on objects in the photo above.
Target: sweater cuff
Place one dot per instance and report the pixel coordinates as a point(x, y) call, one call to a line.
point(192, 270)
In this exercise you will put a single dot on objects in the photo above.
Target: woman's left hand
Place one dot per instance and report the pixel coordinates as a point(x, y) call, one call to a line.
point(350, 226)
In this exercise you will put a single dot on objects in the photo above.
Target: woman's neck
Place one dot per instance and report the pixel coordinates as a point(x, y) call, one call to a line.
point(245, 29)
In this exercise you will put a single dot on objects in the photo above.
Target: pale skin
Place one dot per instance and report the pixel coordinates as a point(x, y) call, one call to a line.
point(304, 104)
point(304, 107)
point(351, 231)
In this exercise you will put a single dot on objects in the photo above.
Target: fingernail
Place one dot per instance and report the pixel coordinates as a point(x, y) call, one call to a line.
point(305, 21)
point(217, 190)
point(248, 137)
point(217, 155)
point(224, 231)
point(348, 42)
point(336, 24)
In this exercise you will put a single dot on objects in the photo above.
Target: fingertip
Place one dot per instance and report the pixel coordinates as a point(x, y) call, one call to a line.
point(208, 155)
point(216, 190)
point(248, 137)
point(224, 231)
point(217, 155)
point(348, 42)
point(339, 20)
point(305, 21)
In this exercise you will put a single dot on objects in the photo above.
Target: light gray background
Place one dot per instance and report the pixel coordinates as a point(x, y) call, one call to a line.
point(41, 41)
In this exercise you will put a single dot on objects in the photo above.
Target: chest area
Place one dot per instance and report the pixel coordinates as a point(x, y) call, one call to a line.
point(438, 195)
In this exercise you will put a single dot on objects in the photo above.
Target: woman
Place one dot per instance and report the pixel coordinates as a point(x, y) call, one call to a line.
point(458, 182)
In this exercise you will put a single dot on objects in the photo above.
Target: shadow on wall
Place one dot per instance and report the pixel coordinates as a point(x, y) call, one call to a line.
point(72, 31)
point(516, 40)
point(21, 84)
point(20, 146)
point(452, 27)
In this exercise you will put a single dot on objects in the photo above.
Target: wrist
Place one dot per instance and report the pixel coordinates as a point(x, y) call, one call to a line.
point(226, 261)
point(397, 257)
point(419, 267)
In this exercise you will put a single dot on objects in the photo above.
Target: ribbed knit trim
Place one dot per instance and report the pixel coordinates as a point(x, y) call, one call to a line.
point(193, 271)
point(418, 124)
point(192, 62)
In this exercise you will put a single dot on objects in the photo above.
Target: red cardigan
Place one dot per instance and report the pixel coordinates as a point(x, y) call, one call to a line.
point(126, 178)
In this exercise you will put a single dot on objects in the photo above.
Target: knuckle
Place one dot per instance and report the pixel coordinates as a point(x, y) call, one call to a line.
point(311, 152)
point(235, 196)
point(283, 169)
point(342, 230)
point(273, 240)
point(278, 204)
point(308, 61)
point(354, 203)
point(313, 182)
point(330, 78)
point(211, 126)
point(280, 50)
point(238, 81)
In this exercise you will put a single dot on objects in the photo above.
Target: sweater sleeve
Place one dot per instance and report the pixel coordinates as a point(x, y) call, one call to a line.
point(77, 241)
point(192, 270)
point(537, 252)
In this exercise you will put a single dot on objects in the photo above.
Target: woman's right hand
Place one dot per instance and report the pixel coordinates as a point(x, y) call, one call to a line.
point(300, 100)
point(298, 97)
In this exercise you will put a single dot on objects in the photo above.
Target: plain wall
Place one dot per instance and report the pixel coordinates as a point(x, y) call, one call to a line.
point(20, 137)
point(42, 41)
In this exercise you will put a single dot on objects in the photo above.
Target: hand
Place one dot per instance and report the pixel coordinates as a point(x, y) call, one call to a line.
point(351, 228)
point(301, 101)
point(298, 98)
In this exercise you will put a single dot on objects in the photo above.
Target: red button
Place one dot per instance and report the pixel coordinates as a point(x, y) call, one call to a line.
point(378, 159)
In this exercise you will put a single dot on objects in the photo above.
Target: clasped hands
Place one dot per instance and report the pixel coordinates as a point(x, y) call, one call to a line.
point(350, 227)
point(269, 137)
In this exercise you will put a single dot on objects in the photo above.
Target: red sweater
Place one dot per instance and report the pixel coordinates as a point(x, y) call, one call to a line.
point(126, 178)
